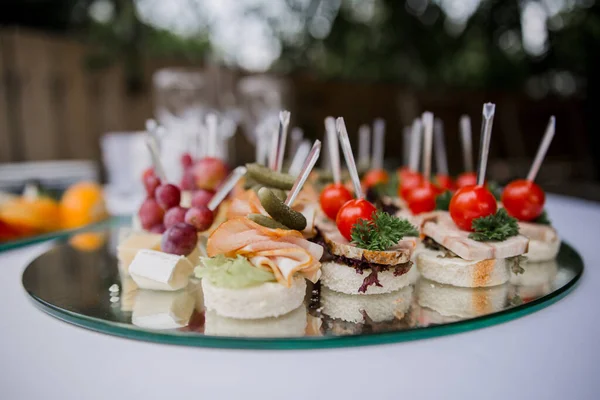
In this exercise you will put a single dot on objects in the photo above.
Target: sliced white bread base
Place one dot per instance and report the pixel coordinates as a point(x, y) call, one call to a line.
point(379, 307)
point(345, 279)
point(422, 317)
point(542, 251)
point(270, 299)
point(464, 273)
point(535, 274)
point(460, 302)
point(292, 324)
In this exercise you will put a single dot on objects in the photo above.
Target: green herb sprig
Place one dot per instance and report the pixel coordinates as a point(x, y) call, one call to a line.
point(382, 232)
point(543, 219)
point(442, 201)
point(499, 226)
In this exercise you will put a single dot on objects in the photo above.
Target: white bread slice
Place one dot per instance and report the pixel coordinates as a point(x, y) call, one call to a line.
point(544, 242)
point(464, 273)
point(379, 307)
point(270, 299)
point(461, 302)
point(535, 274)
point(292, 324)
point(422, 317)
point(345, 279)
point(446, 233)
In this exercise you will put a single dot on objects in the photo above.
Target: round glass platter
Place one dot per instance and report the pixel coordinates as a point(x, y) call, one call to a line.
point(79, 281)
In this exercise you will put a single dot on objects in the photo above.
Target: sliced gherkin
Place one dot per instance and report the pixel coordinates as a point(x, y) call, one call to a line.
point(269, 178)
point(279, 211)
point(267, 222)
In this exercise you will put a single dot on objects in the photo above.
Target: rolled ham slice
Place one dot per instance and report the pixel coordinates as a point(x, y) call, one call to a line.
point(446, 233)
point(284, 252)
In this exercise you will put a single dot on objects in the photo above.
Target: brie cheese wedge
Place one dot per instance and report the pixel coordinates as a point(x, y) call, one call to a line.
point(162, 310)
point(156, 270)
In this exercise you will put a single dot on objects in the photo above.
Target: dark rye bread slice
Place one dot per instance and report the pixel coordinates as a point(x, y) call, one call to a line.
point(339, 246)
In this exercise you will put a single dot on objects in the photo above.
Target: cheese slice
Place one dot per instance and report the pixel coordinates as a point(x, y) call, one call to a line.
point(156, 270)
point(162, 310)
point(136, 241)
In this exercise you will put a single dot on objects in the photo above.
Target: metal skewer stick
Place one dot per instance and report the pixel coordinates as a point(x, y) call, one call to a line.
point(467, 142)
point(489, 109)
point(441, 161)
point(347, 149)
point(378, 143)
point(299, 157)
point(415, 145)
point(364, 146)
point(334, 149)
point(427, 143)
point(278, 143)
point(229, 183)
point(309, 163)
point(212, 127)
point(542, 150)
point(406, 145)
point(152, 144)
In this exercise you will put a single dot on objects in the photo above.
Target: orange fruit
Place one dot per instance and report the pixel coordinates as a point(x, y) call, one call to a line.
point(82, 204)
point(38, 215)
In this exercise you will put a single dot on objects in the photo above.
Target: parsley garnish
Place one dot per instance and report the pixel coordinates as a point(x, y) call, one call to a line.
point(382, 232)
point(442, 201)
point(499, 226)
point(543, 219)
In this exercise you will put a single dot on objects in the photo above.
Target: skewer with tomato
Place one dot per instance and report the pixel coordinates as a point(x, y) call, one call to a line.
point(409, 176)
point(376, 175)
point(469, 177)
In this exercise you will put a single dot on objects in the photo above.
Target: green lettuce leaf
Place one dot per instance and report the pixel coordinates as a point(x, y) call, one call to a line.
point(232, 273)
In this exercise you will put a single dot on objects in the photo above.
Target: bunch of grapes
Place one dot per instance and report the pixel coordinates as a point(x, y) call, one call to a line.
point(161, 213)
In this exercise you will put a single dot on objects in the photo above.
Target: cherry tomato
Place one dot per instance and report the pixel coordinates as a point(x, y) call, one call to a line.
point(408, 181)
point(333, 197)
point(373, 177)
point(466, 179)
point(523, 200)
point(422, 198)
point(444, 182)
point(351, 212)
point(469, 203)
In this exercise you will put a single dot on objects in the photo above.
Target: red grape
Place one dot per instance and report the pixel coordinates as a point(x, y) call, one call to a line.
point(150, 213)
point(186, 160)
point(209, 172)
point(180, 239)
point(200, 217)
point(150, 181)
point(168, 195)
point(160, 228)
point(187, 180)
point(174, 216)
point(201, 198)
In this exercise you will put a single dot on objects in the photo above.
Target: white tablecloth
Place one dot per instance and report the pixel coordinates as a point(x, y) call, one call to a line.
point(551, 354)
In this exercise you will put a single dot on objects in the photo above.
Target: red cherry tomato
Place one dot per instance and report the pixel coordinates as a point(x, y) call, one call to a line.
point(422, 198)
point(351, 212)
point(523, 200)
point(466, 179)
point(333, 197)
point(444, 182)
point(469, 203)
point(408, 181)
point(373, 177)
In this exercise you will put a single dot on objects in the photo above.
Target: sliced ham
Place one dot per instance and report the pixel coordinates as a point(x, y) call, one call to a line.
point(339, 246)
point(543, 233)
point(446, 233)
point(284, 252)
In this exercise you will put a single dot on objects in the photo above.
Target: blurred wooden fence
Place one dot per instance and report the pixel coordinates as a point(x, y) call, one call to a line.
point(53, 107)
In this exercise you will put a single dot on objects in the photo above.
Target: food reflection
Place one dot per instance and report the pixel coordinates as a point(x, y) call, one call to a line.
point(452, 301)
point(163, 310)
point(537, 280)
point(292, 324)
point(345, 314)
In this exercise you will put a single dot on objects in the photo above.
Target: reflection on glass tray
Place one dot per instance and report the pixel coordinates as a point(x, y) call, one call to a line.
point(85, 286)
